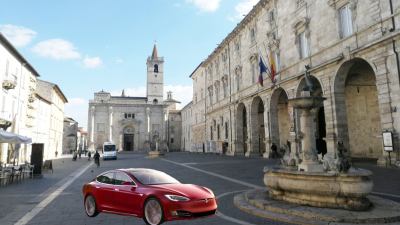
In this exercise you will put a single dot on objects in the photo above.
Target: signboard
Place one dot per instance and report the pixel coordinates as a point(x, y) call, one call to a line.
point(387, 141)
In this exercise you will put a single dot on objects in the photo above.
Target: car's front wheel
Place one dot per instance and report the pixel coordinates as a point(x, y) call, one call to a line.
point(90, 206)
point(153, 212)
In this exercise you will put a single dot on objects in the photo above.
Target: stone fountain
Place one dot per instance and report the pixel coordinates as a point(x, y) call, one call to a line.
point(308, 189)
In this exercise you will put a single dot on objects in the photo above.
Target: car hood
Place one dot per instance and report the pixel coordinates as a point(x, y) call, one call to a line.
point(189, 190)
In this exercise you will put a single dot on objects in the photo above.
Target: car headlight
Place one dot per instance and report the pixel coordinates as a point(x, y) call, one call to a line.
point(177, 198)
point(209, 190)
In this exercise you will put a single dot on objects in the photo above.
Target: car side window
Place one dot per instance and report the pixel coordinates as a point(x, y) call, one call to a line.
point(107, 178)
point(121, 178)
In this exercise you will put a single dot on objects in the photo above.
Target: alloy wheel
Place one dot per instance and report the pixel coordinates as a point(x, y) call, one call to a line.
point(90, 206)
point(153, 212)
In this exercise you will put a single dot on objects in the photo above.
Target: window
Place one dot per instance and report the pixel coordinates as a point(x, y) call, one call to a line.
point(107, 178)
point(172, 140)
point(303, 45)
point(226, 130)
point(211, 133)
point(345, 19)
point(155, 68)
point(237, 82)
point(218, 135)
point(155, 101)
point(7, 67)
point(122, 179)
point(252, 35)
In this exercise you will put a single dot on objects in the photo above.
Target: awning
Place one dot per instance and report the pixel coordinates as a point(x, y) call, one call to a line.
point(8, 137)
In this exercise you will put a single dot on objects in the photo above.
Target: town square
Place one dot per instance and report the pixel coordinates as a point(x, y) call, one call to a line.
point(200, 112)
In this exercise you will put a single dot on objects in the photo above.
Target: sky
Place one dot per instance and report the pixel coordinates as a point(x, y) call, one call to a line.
point(85, 46)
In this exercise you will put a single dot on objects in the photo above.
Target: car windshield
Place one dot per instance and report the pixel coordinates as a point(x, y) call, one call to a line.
point(152, 177)
point(109, 148)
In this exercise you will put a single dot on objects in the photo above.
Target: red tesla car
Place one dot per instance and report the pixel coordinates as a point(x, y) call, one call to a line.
point(149, 194)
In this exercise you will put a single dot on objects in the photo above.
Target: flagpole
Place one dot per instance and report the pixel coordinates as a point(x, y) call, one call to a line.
point(268, 70)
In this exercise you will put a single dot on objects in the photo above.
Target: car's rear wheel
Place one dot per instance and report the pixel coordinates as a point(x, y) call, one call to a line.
point(153, 212)
point(90, 206)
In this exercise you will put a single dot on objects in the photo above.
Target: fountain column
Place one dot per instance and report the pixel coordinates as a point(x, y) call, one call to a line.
point(309, 153)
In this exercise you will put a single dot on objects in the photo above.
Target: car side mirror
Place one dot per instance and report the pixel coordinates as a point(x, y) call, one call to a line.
point(126, 183)
point(133, 188)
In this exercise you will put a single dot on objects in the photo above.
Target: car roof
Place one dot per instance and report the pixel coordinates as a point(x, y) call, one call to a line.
point(138, 170)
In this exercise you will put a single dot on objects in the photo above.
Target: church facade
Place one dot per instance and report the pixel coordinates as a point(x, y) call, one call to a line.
point(132, 123)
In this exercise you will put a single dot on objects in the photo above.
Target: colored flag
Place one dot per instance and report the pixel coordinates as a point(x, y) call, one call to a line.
point(263, 69)
point(272, 66)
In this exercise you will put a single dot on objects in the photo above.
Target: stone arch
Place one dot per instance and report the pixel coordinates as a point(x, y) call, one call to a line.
point(279, 117)
point(241, 129)
point(357, 109)
point(257, 126)
point(320, 123)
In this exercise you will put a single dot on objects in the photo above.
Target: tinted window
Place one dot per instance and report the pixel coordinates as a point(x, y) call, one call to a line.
point(107, 178)
point(121, 178)
point(149, 177)
point(109, 148)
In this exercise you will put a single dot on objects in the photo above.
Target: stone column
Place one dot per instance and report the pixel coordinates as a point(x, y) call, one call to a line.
point(267, 127)
point(249, 132)
point(91, 144)
point(309, 154)
point(110, 136)
point(148, 122)
point(385, 104)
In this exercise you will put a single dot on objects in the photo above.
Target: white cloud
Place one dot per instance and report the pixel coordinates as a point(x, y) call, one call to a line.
point(244, 7)
point(77, 108)
point(118, 60)
point(17, 35)
point(206, 5)
point(56, 49)
point(182, 93)
point(92, 62)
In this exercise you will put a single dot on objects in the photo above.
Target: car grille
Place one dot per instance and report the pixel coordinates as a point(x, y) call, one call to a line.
point(182, 213)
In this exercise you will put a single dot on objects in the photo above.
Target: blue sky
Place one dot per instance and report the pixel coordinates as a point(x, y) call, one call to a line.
point(88, 45)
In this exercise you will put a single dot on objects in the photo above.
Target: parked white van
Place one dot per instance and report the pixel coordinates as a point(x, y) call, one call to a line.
point(109, 151)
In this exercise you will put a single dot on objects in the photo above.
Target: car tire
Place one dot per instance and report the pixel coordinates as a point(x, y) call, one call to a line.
point(153, 213)
point(91, 206)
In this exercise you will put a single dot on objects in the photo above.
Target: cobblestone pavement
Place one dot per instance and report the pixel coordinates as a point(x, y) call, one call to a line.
point(224, 175)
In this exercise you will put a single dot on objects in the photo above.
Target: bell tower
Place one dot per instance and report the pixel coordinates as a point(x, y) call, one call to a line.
point(155, 78)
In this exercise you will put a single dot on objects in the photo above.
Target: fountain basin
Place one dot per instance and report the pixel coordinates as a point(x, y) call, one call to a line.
point(320, 189)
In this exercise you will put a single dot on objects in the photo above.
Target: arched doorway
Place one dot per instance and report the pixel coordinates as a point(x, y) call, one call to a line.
point(280, 120)
point(257, 126)
point(357, 109)
point(129, 137)
point(320, 124)
point(241, 129)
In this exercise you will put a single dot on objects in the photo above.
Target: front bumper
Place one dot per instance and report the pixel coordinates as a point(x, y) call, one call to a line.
point(191, 209)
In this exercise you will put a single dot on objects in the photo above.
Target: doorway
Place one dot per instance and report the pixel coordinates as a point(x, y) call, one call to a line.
point(128, 142)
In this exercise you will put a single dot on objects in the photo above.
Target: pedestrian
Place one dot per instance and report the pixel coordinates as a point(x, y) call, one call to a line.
point(74, 156)
point(96, 158)
point(80, 153)
point(89, 155)
point(56, 153)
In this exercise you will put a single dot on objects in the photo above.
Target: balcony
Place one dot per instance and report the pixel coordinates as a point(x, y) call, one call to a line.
point(5, 119)
point(9, 84)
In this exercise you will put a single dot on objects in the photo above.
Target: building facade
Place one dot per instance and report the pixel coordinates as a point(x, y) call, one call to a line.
point(132, 123)
point(57, 100)
point(352, 51)
point(70, 136)
point(17, 109)
point(187, 128)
